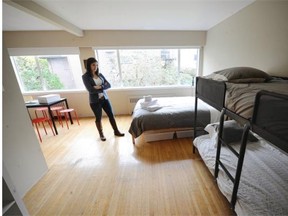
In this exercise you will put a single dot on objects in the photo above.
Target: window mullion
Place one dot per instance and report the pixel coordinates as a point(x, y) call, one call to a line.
point(119, 67)
point(40, 73)
point(179, 66)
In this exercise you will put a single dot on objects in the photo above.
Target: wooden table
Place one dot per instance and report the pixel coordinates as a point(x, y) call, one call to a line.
point(36, 104)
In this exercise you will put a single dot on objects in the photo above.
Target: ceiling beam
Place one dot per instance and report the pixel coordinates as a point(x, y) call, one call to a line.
point(36, 10)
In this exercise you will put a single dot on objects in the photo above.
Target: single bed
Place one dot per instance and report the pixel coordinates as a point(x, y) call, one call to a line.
point(171, 116)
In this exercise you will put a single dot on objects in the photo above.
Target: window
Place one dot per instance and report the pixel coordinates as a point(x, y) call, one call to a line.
point(48, 72)
point(149, 67)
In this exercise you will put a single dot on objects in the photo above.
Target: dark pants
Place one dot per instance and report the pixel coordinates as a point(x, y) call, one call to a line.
point(97, 109)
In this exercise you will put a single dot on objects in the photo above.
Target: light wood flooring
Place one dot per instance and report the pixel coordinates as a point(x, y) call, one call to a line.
point(89, 177)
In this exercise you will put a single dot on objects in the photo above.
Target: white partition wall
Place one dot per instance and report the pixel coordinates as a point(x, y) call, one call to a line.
point(22, 155)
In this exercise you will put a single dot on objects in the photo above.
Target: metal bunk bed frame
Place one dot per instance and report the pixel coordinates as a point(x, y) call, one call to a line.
point(215, 96)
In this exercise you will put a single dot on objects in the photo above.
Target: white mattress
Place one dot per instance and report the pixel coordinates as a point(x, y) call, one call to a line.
point(263, 188)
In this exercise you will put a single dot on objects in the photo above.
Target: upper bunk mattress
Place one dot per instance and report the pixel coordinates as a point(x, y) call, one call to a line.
point(240, 97)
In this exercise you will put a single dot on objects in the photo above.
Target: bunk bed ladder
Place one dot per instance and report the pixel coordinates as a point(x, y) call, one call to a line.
point(239, 155)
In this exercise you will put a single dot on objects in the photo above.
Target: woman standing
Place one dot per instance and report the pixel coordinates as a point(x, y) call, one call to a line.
point(96, 84)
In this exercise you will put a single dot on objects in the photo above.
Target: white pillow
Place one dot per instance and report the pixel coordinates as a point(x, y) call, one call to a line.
point(212, 130)
point(232, 132)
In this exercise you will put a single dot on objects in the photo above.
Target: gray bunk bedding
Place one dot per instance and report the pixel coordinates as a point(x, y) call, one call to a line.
point(170, 112)
point(236, 88)
point(263, 186)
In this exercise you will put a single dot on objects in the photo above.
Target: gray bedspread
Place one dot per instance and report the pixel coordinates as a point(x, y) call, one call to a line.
point(175, 112)
point(240, 97)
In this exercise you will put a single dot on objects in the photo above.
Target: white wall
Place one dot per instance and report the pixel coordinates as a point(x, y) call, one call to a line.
point(22, 154)
point(104, 38)
point(256, 37)
point(120, 97)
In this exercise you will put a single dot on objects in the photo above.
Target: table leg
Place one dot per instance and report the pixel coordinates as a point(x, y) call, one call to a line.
point(67, 106)
point(52, 118)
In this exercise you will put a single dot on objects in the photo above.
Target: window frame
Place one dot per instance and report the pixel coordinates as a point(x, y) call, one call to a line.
point(117, 48)
point(47, 51)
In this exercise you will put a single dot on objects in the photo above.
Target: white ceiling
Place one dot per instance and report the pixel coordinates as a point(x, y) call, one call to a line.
point(120, 14)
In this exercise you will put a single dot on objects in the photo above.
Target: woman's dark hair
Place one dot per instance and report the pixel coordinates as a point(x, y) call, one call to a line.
point(90, 61)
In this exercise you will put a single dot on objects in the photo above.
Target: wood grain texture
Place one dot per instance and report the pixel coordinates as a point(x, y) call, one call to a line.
point(89, 177)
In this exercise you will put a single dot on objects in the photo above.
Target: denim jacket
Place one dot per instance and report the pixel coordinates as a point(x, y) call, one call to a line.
point(90, 83)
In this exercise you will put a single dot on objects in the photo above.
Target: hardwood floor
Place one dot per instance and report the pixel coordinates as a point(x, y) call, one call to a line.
point(89, 177)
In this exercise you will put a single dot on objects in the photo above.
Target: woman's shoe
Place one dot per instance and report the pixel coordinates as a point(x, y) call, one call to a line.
point(103, 138)
point(118, 133)
point(100, 130)
point(115, 128)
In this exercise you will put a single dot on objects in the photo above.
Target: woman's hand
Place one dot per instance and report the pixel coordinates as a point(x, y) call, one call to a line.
point(98, 87)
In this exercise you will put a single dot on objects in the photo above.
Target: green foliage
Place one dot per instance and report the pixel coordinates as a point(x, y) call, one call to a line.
point(144, 70)
point(35, 74)
point(187, 75)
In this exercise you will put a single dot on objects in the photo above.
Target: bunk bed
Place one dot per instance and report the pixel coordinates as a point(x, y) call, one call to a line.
point(257, 104)
point(235, 89)
point(168, 117)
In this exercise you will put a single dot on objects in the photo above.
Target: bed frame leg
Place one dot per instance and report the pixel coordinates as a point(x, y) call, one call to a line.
point(133, 140)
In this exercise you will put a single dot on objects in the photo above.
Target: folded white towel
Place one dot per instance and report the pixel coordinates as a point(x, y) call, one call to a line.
point(147, 104)
point(147, 98)
point(150, 106)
